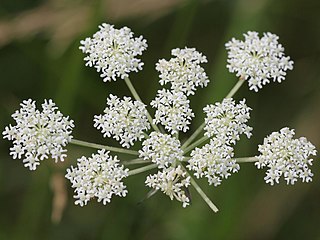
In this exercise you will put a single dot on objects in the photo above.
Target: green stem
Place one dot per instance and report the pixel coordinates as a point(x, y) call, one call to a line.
point(136, 96)
point(246, 159)
point(202, 194)
point(186, 159)
point(195, 144)
point(177, 135)
point(235, 88)
point(135, 161)
point(193, 136)
point(99, 146)
point(142, 169)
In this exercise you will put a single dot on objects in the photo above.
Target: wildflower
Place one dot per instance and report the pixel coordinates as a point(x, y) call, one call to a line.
point(123, 119)
point(113, 52)
point(258, 60)
point(227, 120)
point(173, 110)
point(38, 135)
point(214, 161)
point(171, 181)
point(97, 176)
point(286, 156)
point(161, 149)
point(184, 71)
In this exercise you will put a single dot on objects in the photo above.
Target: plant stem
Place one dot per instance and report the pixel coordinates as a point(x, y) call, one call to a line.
point(246, 159)
point(202, 194)
point(186, 159)
point(195, 144)
point(235, 88)
point(135, 161)
point(99, 146)
point(193, 136)
point(136, 96)
point(177, 135)
point(142, 169)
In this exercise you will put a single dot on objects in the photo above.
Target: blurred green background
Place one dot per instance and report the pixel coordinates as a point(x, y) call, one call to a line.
point(39, 59)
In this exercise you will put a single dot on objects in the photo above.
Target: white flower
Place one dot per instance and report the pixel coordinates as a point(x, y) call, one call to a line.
point(173, 182)
point(184, 71)
point(258, 60)
point(173, 110)
point(113, 52)
point(97, 176)
point(214, 161)
point(38, 135)
point(161, 149)
point(286, 156)
point(124, 119)
point(227, 120)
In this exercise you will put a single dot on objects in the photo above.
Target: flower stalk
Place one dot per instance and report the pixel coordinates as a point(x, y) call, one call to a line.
point(235, 88)
point(137, 97)
point(246, 159)
point(195, 144)
point(99, 146)
point(142, 169)
point(203, 195)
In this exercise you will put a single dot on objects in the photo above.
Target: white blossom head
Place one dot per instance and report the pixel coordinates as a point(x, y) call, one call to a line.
point(99, 176)
point(162, 149)
point(227, 120)
point(38, 135)
point(286, 156)
point(258, 60)
point(174, 182)
point(124, 119)
point(113, 52)
point(173, 110)
point(183, 71)
point(213, 161)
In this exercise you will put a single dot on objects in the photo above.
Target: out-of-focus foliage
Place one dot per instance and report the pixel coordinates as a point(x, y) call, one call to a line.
point(39, 58)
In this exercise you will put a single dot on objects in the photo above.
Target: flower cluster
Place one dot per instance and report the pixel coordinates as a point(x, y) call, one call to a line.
point(97, 176)
point(258, 60)
point(162, 149)
point(125, 120)
point(173, 110)
point(172, 181)
point(214, 161)
point(165, 151)
point(227, 120)
point(286, 156)
point(113, 52)
point(224, 122)
point(183, 72)
point(39, 134)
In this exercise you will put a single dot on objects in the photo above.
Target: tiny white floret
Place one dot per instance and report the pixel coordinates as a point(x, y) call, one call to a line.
point(99, 176)
point(227, 120)
point(39, 135)
point(162, 149)
point(124, 119)
point(113, 52)
point(174, 182)
point(258, 60)
point(286, 156)
point(183, 71)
